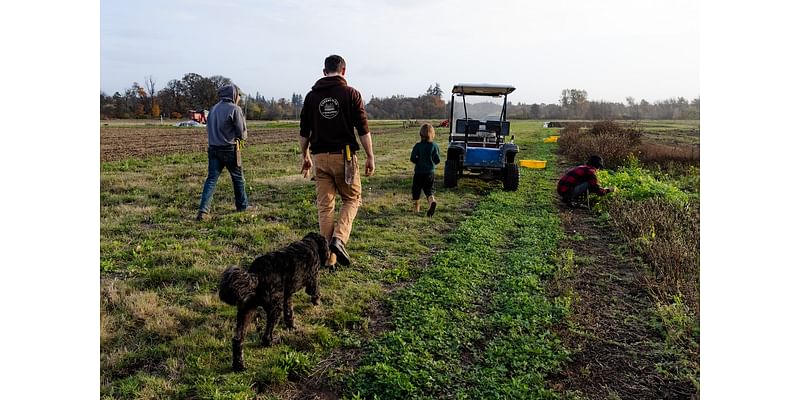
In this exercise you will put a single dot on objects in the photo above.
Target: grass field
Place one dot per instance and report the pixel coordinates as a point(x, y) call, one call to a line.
point(162, 328)
point(457, 306)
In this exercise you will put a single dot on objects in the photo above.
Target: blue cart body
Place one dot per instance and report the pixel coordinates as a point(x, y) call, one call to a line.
point(478, 157)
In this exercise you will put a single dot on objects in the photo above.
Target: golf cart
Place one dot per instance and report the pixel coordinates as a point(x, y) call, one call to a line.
point(478, 137)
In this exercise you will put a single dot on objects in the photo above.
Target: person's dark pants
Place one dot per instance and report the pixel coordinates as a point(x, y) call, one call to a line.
point(578, 191)
point(422, 182)
point(220, 157)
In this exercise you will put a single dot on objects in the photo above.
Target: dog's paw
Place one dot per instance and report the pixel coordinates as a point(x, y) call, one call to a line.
point(267, 342)
point(315, 301)
point(238, 367)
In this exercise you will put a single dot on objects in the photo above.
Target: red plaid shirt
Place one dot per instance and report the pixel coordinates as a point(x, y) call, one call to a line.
point(578, 175)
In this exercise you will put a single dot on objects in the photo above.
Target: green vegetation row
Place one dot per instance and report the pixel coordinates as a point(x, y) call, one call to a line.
point(477, 323)
point(636, 183)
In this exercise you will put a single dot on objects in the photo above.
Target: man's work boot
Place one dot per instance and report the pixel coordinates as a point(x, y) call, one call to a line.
point(337, 247)
point(203, 216)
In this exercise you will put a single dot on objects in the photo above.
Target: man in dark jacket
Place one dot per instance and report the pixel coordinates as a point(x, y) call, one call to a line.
point(226, 127)
point(331, 112)
point(580, 180)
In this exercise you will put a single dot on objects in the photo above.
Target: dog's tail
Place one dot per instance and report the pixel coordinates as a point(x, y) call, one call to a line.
point(237, 286)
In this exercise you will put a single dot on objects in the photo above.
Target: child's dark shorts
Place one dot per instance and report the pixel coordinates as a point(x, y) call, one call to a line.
point(422, 182)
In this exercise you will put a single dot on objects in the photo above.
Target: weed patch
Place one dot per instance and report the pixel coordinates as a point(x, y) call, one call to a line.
point(668, 234)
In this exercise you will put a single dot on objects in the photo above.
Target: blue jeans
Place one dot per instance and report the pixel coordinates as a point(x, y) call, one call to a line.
point(577, 191)
point(220, 157)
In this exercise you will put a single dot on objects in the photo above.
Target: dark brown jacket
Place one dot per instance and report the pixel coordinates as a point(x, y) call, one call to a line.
point(330, 112)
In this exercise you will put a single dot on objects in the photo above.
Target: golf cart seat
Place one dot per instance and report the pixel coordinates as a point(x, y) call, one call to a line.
point(501, 128)
point(477, 137)
point(467, 126)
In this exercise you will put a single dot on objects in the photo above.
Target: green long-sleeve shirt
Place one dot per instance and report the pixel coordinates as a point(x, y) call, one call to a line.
point(425, 155)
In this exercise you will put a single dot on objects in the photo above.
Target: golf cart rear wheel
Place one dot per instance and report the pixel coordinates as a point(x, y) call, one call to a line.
point(450, 173)
point(511, 177)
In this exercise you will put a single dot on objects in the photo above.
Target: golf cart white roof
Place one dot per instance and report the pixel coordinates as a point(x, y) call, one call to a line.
point(482, 89)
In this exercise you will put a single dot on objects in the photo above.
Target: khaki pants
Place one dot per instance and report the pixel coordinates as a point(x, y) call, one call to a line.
point(329, 172)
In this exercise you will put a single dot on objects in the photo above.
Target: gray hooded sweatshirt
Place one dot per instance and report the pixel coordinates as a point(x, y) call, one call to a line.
point(226, 121)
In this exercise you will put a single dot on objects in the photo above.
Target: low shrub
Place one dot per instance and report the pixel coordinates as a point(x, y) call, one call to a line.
point(612, 141)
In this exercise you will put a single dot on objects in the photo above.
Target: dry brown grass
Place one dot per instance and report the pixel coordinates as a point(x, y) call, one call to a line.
point(662, 153)
point(121, 306)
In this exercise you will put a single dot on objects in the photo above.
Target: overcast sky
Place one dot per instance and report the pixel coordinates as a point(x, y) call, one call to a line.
point(612, 48)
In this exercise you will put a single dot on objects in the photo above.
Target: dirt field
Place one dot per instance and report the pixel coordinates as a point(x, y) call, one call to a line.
point(137, 142)
point(120, 142)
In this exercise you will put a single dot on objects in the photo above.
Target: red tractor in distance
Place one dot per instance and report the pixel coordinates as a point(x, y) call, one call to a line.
point(199, 116)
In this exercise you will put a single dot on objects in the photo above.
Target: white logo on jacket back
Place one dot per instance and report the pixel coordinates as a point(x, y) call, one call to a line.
point(329, 107)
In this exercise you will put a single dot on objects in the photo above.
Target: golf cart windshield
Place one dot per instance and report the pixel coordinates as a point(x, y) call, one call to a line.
point(484, 108)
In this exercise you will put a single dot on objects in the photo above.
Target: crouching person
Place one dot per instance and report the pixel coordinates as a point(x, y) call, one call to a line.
point(578, 181)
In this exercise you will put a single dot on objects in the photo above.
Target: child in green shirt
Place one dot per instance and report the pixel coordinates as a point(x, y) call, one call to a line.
point(425, 155)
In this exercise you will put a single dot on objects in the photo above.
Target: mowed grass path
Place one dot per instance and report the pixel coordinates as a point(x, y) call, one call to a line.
point(165, 334)
point(478, 323)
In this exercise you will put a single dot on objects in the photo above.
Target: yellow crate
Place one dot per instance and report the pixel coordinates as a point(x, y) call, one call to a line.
point(538, 164)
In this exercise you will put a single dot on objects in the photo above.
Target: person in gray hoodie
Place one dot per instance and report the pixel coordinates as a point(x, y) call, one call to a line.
point(226, 126)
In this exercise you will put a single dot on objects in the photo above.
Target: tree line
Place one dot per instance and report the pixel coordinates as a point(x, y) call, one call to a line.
point(192, 92)
point(573, 104)
point(195, 92)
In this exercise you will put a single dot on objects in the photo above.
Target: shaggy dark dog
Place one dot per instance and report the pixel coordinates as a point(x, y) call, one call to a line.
point(269, 282)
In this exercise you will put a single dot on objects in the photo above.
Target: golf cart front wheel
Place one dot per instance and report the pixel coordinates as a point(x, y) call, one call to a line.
point(450, 173)
point(511, 177)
